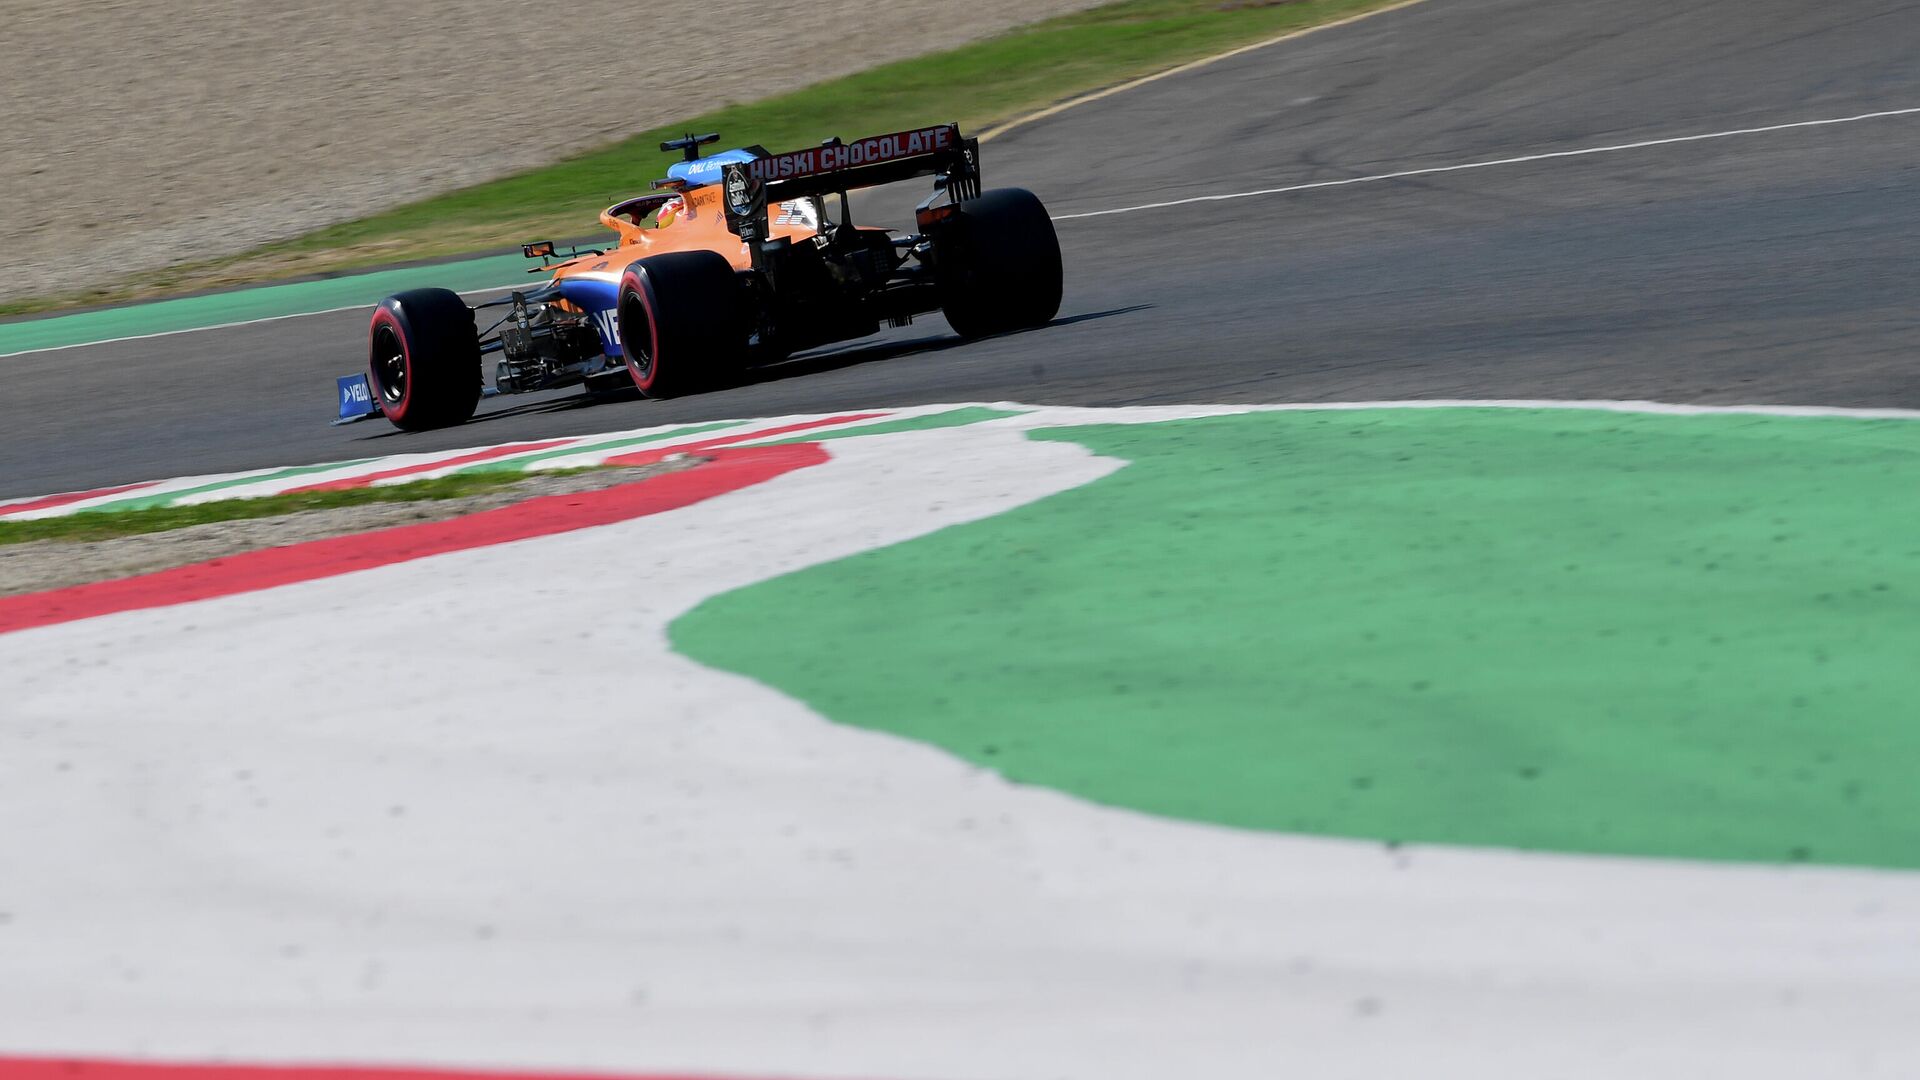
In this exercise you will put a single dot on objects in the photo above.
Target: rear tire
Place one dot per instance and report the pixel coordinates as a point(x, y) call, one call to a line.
point(999, 264)
point(682, 326)
point(423, 359)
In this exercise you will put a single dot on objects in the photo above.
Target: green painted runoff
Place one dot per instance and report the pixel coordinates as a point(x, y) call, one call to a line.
point(248, 305)
point(1564, 630)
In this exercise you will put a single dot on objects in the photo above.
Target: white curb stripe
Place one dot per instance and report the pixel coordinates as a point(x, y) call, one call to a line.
point(612, 859)
point(1032, 416)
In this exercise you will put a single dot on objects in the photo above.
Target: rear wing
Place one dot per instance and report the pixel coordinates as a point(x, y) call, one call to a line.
point(836, 167)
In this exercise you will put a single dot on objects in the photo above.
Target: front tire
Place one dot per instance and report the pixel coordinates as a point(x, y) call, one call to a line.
point(681, 322)
point(999, 264)
point(423, 359)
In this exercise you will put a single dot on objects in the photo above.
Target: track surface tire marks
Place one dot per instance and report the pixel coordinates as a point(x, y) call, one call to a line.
point(1771, 269)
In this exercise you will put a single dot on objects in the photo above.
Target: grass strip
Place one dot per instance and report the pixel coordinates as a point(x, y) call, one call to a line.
point(109, 524)
point(978, 85)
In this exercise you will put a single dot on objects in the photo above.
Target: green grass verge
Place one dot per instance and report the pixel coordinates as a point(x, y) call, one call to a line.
point(109, 524)
point(978, 85)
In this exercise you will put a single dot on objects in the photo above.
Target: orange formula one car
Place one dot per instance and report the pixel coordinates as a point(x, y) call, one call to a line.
point(732, 261)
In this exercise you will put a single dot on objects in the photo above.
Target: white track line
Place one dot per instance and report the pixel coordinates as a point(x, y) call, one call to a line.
point(1206, 61)
point(1524, 159)
point(1314, 186)
point(228, 325)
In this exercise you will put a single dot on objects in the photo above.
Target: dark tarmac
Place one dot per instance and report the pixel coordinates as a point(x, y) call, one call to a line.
point(1775, 268)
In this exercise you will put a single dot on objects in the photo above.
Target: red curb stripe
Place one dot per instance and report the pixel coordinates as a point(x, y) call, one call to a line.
point(88, 1069)
point(730, 470)
point(52, 501)
point(649, 457)
point(428, 466)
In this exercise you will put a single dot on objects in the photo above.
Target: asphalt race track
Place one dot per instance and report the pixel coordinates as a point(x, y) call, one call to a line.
point(1774, 267)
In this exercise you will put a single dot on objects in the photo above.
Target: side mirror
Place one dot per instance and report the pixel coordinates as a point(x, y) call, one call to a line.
point(539, 249)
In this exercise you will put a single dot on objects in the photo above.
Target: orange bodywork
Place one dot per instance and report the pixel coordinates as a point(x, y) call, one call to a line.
point(699, 225)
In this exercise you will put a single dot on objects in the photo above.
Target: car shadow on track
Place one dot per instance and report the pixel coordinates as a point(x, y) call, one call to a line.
point(833, 358)
point(572, 398)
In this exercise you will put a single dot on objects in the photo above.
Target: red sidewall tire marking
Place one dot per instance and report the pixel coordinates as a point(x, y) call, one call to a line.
point(384, 315)
point(636, 282)
point(730, 470)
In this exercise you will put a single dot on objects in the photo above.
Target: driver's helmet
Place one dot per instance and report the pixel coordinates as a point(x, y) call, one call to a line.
point(668, 212)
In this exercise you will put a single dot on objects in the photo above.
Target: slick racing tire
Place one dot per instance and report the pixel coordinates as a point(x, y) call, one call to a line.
point(999, 264)
point(681, 322)
point(423, 359)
